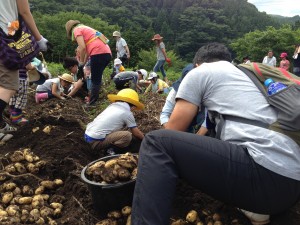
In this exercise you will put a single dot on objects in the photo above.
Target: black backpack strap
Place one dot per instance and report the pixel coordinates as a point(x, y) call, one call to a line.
point(254, 79)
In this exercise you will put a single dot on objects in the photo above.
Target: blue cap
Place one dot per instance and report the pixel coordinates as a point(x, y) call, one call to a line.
point(268, 82)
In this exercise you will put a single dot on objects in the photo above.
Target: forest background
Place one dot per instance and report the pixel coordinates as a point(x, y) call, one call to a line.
point(186, 25)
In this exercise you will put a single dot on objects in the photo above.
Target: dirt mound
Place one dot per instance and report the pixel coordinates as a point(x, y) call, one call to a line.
point(67, 153)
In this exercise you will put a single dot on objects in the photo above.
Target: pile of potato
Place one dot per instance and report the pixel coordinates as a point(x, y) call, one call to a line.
point(117, 217)
point(120, 169)
point(193, 218)
point(24, 161)
point(23, 204)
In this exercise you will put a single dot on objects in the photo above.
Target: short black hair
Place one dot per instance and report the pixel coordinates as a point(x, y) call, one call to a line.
point(212, 52)
point(69, 62)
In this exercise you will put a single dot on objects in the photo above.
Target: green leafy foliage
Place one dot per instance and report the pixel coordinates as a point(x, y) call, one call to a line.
point(256, 44)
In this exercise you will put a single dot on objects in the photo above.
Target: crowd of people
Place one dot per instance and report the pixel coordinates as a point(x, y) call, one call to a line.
point(248, 166)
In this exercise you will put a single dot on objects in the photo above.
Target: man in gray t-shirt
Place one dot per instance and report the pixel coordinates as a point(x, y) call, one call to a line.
point(250, 167)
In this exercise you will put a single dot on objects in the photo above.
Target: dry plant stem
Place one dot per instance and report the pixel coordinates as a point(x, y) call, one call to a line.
point(84, 209)
point(20, 175)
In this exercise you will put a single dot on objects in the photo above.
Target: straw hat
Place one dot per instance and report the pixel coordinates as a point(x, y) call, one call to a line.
point(127, 95)
point(157, 37)
point(36, 76)
point(67, 77)
point(69, 25)
point(116, 34)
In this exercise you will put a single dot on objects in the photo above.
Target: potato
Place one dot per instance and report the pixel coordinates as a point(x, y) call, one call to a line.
point(134, 173)
point(126, 163)
point(56, 205)
point(24, 218)
point(48, 184)
point(192, 216)
point(216, 217)
point(7, 197)
point(15, 199)
point(35, 158)
point(178, 222)
point(25, 212)
point(51, 221)
point(27, 190)
point(57, 212)
point(20, 168)
point(13, 210)
point(28, 155)
point(123, 174)
point(35, 129)
point(218, 222)
point(35, 213)
point(3, 213)
point(39, 190)
point(58, 182)
point(47, 129)
point(15, 220)
point(25, 200)
point(128, 222)
point(9, 186)
point(107, 222)
point(32, 168)
point(10, 168)
point(37, 198)
point(37, 201)
point(126, 211)
point(45, 197)
point(3, 177)
point(109, 175)
point(41, 164)
point(110, 163)
point(17, 191)
point(46, 211)
point(17, 156)
point(40, 221)
point(114, 215)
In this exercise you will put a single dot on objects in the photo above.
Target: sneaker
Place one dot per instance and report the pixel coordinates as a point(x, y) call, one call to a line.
point(110, 151)
point(5, 137)
point(7, 129)
point(255, 218)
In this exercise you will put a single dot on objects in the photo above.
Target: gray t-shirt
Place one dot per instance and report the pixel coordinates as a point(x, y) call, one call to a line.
point(223, 88)
point(8, 13)
point(115, 117)
point(159, 53)
point(127, 75)
point(47, 86)
point(120, 45)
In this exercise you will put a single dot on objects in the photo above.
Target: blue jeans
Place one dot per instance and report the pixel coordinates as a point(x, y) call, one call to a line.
point(160, 66)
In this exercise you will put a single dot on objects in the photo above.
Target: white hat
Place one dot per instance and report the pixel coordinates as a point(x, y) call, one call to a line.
point(144, 73)
point(117, 61)
point(152, 75)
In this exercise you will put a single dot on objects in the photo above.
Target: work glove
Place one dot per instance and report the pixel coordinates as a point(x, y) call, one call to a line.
point(43, 44)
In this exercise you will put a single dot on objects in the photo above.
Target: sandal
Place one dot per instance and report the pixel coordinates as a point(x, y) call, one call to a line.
point(7, 129)
point(5, 137)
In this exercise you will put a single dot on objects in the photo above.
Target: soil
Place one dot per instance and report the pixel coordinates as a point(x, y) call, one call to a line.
point(67, 153)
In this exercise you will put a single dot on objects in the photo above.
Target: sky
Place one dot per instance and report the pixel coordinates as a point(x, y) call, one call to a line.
point(288, 8)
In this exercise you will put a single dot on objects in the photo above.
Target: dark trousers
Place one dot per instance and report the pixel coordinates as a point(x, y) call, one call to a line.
point(222, 170)
point(98, 64)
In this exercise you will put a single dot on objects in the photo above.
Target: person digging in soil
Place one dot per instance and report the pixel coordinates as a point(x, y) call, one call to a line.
point(53, 88)
point(250, 167)
point(80, 85)
point(157, 85)
point(106, 132)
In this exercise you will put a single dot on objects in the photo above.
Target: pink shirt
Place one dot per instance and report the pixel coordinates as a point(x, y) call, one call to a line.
point(96, 46)
point(285, 64)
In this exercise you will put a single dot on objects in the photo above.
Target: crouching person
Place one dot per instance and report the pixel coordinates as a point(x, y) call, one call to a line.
point(106, 132)
point(53, 88)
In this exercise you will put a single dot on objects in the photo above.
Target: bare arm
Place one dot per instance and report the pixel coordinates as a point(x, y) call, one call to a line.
point(24, 11)
point(54, 91)
point(127, 51)
point(182, 115)
point(81, 49)
point(202, 131)
point(137, 133)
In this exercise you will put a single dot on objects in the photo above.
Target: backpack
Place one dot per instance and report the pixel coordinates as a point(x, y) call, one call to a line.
point(286, 101)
